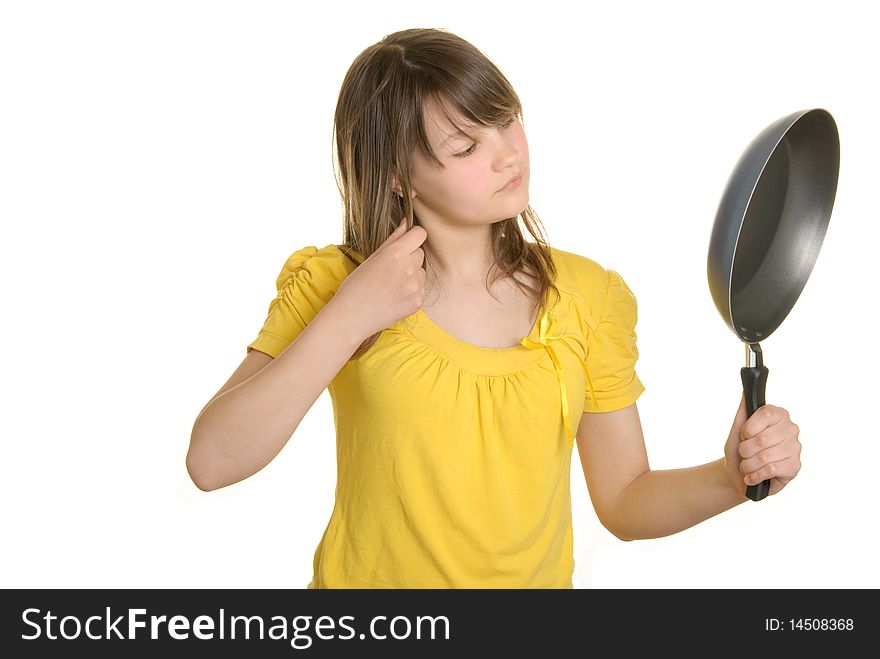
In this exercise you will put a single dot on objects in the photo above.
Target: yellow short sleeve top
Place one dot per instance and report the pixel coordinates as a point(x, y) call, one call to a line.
point(453, 460)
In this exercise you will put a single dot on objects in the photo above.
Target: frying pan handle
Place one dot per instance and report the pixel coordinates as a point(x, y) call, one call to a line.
point(754, 380)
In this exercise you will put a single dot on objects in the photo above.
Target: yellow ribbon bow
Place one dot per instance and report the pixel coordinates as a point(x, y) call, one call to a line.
point(546, 327)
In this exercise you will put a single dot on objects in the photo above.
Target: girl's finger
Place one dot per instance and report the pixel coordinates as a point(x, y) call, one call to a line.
point(764, 417)
point(784, 470)
point(781, 451)
point(769, 438)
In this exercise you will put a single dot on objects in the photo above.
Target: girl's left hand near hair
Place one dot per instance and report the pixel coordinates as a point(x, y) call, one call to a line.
point(764, 445)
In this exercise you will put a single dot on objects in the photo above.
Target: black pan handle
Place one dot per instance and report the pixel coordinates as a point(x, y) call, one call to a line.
point(754, 380)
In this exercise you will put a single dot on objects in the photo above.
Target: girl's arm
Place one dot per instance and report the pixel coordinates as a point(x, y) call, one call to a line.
point(633, 502)
point(661, 502)
point(242, 429)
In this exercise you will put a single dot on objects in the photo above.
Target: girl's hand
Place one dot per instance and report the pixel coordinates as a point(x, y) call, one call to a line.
point(389, 284)
point(764, 445)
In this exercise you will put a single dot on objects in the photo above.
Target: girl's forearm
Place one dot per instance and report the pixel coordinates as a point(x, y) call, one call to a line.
point(240, 431)
point(662, 502)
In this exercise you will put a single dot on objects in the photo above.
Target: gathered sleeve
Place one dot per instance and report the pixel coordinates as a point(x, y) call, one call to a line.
point(612, 382)
point(309, 279)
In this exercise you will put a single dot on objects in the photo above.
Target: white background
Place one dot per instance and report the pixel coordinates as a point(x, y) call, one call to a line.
point(159, 161)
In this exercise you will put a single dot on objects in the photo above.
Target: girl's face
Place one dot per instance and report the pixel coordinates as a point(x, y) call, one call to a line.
point(470, 189)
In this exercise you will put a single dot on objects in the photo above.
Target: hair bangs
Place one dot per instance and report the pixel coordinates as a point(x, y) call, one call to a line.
point(466, 104)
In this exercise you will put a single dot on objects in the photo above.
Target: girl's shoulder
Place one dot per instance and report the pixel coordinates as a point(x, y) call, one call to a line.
point(578, 274)
point(324, 266)
point(603, 292)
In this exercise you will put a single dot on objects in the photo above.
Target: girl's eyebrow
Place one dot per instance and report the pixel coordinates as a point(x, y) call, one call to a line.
point(455, 134)
point(460, 133)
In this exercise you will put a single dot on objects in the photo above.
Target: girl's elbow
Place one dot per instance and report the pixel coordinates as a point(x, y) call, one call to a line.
point(621, 536)
point(200, 476)
point(616, 529)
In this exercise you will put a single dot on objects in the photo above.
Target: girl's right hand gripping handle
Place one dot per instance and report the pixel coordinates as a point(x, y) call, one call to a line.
point(754, 380)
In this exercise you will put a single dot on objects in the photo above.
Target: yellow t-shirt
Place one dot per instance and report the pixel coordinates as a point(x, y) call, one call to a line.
point(453, 460)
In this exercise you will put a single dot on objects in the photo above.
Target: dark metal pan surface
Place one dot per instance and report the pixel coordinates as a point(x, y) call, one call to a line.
point(768, 231)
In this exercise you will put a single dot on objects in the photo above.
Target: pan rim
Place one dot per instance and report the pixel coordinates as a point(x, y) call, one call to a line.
point(795, 118)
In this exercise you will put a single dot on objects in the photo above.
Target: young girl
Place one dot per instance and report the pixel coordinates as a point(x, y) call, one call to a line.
point(458, 397)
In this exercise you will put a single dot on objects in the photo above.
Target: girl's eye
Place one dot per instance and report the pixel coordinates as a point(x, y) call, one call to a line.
point(464, 154)
point(473, 147)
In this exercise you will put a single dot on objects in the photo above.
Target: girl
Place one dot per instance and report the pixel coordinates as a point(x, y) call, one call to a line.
point(458, 397)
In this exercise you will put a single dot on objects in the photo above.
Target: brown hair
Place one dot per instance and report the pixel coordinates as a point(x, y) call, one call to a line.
point(379, 122)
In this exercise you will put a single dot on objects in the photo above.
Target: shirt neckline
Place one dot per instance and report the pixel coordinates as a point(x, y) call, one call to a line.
point(478, 359)
point(433, 328)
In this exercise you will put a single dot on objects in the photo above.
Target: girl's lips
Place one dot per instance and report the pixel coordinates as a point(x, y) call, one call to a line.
point(513, 183)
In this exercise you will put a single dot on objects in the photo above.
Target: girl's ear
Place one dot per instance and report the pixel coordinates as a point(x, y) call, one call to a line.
point(395, 186)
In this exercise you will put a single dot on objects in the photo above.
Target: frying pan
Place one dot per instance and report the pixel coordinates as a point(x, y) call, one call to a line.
point(768, 230)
